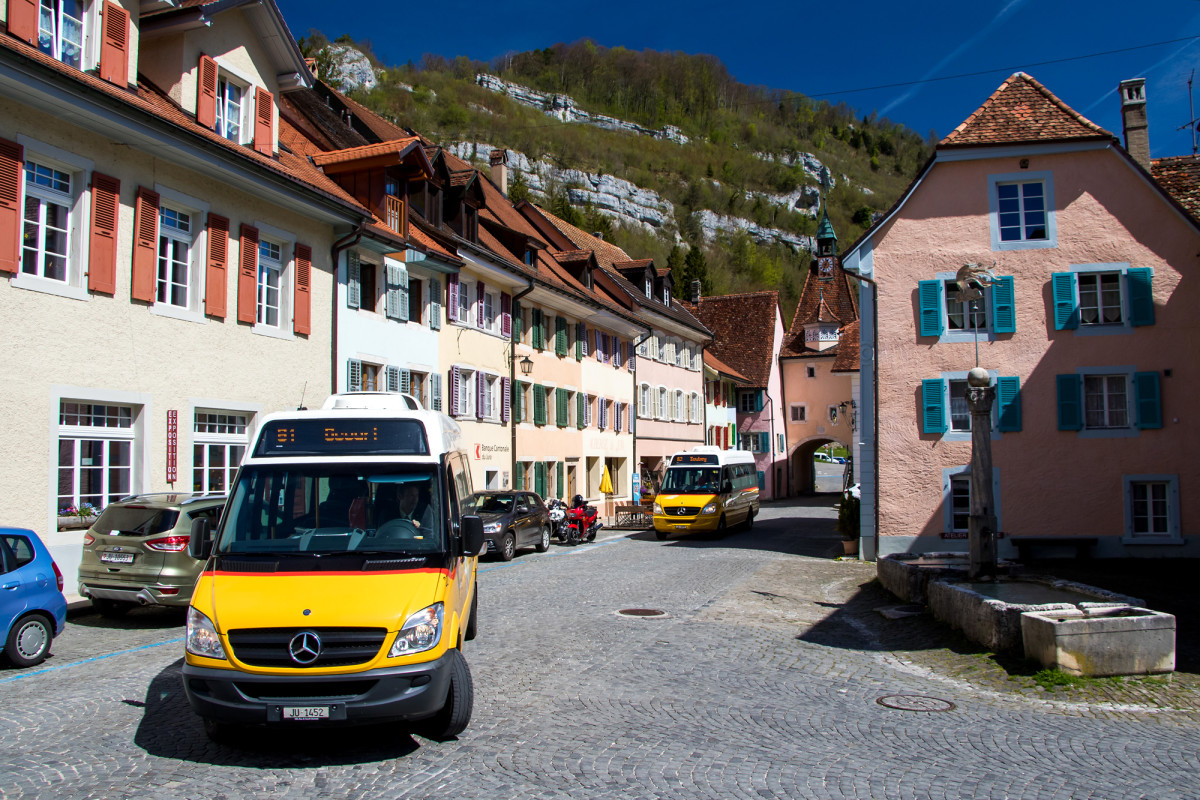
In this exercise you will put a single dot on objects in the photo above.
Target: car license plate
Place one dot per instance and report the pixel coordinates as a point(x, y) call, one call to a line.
point(681, 527)
point(117, 558)
point(306, 712)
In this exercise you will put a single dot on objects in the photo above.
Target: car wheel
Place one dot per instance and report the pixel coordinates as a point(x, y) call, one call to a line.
point(29, 641)
point(111, 608)
point(749, 519)
point(508, 546)
point(660, 535)
point(544, 542)
point(454, 716)
point(219, 732)
point(473, 622)
point(722, 529)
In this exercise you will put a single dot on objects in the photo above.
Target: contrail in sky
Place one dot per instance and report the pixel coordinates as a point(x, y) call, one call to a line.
point(955, 53)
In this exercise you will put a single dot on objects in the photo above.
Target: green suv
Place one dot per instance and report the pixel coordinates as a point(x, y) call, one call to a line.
point(136, 553)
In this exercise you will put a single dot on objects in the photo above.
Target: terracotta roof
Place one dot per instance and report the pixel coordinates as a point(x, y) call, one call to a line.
point(307, 110)
point(377, 127)
point(397, 148)
point(637, 263)
point(743, 327)
point(1180, 177)
point(714, 363)
point(1022, 110)
point(830, 300)
point(848, 343)
point(570, 256)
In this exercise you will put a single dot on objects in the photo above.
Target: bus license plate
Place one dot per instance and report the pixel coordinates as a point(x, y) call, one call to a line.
point(117, 558)
point(306, 712)
point(681, 527)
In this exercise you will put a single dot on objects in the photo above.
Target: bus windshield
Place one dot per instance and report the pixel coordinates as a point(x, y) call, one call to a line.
point(334, 508)
point(692, 480)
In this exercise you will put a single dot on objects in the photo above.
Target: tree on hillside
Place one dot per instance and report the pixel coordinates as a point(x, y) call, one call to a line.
point(518, 189)
point(695, 268)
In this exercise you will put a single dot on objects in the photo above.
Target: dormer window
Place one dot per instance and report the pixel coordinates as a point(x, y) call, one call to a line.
point(666, 295)
point(230, 109)
point(649, 288)
point(60, 30)
point(529, 256)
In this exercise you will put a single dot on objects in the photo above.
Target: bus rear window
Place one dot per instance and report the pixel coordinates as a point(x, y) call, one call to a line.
point(342, 437)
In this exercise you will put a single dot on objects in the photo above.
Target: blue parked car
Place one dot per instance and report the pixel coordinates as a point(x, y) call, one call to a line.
point(32, 607)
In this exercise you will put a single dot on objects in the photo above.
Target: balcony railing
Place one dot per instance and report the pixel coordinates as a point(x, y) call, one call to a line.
point(395, 217)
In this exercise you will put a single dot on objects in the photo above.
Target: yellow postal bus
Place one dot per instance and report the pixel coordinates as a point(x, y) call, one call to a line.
point(707, 489)
point(340, 585)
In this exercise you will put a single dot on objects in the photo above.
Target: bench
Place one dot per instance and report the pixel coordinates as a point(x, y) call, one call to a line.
point(1083, 544)
point(634, 516)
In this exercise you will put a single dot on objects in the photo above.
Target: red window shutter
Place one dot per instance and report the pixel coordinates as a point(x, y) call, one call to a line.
point(23, 20)
point(145, 245)
point(11, 157)
point(114, 45)
point(206, 92)
point(102, 242)
point(264, 121)
point(248, 275)
point(215, 276)
point(302, 316)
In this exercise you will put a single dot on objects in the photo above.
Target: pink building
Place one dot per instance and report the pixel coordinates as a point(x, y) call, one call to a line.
point(1088, 332)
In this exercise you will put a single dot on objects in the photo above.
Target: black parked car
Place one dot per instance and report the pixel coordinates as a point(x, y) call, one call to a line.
point(512, 520)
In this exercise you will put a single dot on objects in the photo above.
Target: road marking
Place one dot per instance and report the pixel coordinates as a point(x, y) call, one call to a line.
point(89, 660)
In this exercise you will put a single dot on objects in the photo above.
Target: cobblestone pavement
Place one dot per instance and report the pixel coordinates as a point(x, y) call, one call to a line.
point(762, 680)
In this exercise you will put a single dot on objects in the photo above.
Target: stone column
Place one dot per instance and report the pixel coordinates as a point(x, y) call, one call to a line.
point(981, 534)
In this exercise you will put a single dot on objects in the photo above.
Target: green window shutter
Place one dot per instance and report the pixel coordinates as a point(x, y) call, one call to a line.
point(764, 443)
point(539, 404)
point(929, 295)
point(562, 409)
point(516, 320)
point(933, 405)
point(560, 336)
point(519, 478)
point(539, 478)
point(558, 480)
point(758, 400)
point(1008, 398)
point(580, 335)
point(535, 325)
point(1004, 311)
point(1141, 297)
point(579, 410)
point(1066, 311)
point(1149, 400)
point(1070, 402)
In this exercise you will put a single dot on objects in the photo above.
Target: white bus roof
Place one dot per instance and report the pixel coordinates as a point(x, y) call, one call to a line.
point(723, 456)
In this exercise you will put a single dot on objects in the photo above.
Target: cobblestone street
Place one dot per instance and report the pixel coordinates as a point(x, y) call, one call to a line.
point(763, 679)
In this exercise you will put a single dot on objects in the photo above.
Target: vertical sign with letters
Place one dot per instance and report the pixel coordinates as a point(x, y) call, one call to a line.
point(172, 445)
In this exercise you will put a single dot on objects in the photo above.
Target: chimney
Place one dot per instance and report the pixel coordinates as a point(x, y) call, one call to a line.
point(1133, 115)
point(695, 293)
point(311, 63)
point(499, 161)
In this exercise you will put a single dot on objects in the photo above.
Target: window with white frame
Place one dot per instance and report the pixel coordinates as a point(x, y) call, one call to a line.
point(1106, 402)
point(679, 407)
point(666, 297)
point(1151, 509)
point(489, 311)
point(645, 401)
point(47, 244)
point(681, 353)
point(1100, 298)
point(175, 274)
point(490, 395)
point(960, 412)
point(964, 315)
point(466, 393)
point(663, 408)
point(233, 105)
point(61, 30)
point(270, 282)
point(465, 292)
point(798, 412)
point(649, 288)
point(696, 409)
point(95, 452)
point(1021, 210)
point(218, 444)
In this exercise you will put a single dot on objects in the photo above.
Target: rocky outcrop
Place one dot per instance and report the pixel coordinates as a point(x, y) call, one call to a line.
point(811, 165)
point(563, 108)
point(351, 68)
point(714, 225)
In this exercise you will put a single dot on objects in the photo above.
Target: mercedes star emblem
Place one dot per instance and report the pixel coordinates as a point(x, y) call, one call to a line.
point(305, 648)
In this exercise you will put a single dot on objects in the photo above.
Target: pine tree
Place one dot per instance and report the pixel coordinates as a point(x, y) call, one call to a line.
point(518, 189)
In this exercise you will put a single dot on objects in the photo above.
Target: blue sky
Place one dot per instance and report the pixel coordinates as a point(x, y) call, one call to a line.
point(832, 49)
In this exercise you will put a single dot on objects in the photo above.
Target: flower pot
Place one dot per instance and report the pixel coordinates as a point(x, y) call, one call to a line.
point(850, 546)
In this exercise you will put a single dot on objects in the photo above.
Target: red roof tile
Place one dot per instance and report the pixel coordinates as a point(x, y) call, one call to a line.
point(396, 147)
point(712, 362)
point(1022, 110)
point(828, 300)
point(848, 344)
point(743, 327)
point(1180, 177)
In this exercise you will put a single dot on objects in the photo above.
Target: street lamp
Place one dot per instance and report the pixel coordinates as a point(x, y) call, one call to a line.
point(526, 365)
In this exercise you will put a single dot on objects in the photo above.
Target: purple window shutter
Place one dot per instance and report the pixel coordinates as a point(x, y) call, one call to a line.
point(505, 316)
point(505, 400)
point(624, 355)
point(452, 305)
point(454, 390)
point(480, 395)
point(617, 417)
point(479, 291)
point(599, 355)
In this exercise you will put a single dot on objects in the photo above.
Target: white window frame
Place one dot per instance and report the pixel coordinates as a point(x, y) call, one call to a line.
point(79, 169)
point(802, 408)
point(964, 472)
point(492, 396)
point(88, 24)
point(490, 315)
point(230, 75)
point(964, 435)
point(226, 441)
point(985, 333)
point(198, 247)
point(1130, 401)
point(466, 392)
point(1046, 178)
point(645, 401)
point(466, 303)
point(1120, 268)
point(1173, 533)
point(678, 407)
point(287, 248)
point(662, 403)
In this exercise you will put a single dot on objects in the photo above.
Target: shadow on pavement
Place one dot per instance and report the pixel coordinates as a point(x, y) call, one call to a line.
point(170, 729)
point(141, 618)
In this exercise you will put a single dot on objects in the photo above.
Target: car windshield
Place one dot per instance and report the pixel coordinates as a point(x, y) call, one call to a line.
point(692, 480)
point(494, 503)
point(129, 520)
point(334, 508)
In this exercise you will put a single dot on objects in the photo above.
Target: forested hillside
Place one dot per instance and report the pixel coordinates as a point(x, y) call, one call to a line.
point(741, 158)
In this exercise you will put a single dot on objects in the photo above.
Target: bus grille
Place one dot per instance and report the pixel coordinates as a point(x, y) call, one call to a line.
point(684, 511)
point(340, 647)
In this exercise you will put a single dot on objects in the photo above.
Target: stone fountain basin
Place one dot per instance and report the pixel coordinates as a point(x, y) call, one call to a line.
point(1101, 641)
point(989, 612)
point(908, 575)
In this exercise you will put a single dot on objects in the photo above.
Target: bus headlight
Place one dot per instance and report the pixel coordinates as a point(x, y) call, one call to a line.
point(202, 638)
point(711, 508)
point(658, 509)
point(421, 631)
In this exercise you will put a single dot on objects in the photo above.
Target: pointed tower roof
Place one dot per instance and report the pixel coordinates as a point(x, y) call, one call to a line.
point(825, 227)
point(1022, 110)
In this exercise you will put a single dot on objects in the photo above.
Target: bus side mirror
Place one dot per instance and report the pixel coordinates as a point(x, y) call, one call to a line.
point(471, 529)
point(200, 542)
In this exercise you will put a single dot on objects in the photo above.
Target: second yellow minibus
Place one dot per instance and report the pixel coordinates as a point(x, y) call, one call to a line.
point(707, 489)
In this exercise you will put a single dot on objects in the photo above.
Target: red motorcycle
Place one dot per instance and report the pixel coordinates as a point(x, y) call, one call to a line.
point(581, 523)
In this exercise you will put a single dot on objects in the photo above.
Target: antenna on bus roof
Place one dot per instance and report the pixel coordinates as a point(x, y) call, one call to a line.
point(302, 391)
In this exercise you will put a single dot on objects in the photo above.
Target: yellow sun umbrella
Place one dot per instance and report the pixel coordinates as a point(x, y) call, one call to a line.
point(606, 486)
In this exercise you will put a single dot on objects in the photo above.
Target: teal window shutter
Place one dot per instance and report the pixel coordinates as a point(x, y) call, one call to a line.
point(1149, 400)
point(762, 481)
point(764, 445)
point(933, 406)
point(1070, 402)
point(1008, 397)
point(580, 336)
point(558, 480)
point(561, 408)
point(1004, 311)
point(539, 478)
point(539, 404)
point(1066, 311)
point(758, 400)
point(580, 401)
point(535, 325)
point(519, 478)
point(518, 402)
point(929, 295)
point(1141, 297)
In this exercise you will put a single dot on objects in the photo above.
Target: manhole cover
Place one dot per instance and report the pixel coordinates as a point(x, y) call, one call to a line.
point(642, 612)
point(915, 702)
